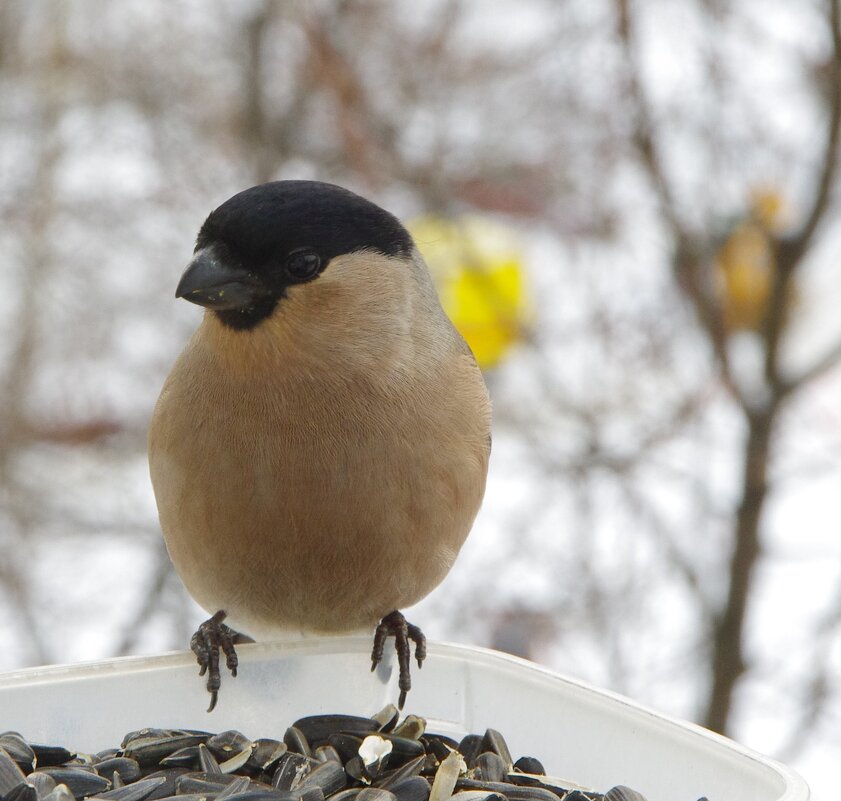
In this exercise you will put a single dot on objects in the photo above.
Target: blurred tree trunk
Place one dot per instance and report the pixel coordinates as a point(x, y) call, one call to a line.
point(727, 660)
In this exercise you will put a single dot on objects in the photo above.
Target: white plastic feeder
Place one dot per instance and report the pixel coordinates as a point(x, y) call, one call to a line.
point(583, 735)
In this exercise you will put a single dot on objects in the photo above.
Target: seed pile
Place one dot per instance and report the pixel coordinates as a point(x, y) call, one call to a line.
point(335, 757)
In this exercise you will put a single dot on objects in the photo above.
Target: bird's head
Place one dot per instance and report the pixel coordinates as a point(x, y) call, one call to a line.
point(260, 245)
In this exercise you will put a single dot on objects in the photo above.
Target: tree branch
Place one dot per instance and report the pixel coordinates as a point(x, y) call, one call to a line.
point(792, 248)
point(814, 371)
point(789, 251)
point(689, 257)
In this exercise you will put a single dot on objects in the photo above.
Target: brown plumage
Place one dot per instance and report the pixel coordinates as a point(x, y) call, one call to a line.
point(317, 461)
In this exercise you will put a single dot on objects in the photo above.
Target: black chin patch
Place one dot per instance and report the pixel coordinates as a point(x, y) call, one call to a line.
point(248, 318)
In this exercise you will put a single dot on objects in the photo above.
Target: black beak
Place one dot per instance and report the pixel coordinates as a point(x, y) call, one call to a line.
point(210, 282)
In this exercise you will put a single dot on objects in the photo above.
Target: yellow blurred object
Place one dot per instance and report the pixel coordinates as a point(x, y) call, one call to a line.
point(477, 267)
point(745, 265)
point(745, 262)
point(768, 208)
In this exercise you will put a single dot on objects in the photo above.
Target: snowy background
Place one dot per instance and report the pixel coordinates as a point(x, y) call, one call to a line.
point(662, 516)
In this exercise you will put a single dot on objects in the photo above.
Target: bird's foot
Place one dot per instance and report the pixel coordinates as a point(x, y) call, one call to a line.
point(394, 624)
point(214, 636)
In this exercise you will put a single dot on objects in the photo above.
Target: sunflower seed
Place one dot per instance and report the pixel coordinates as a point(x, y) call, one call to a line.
point(622, 793)
point(329, 776)
point(412, 727)
point(260, 794)
point(446, 777)
point(346, 745)
point(203, 783)
point(18, 749)
point(477, 795)
point(528, 764)
point(513, 792)
point(266, 753)
point(237, 787)
point(227, 744)
point(318, 728)
point(406, 771)
point(414, 788)
point(438, 745)
point(494, 741)
point(297, 742)
point(375, 794)
point(10, 773)
point(184, 757)
point(291, 770)
point(23, 792)
point(79, 781)
point(402, 749)
point(387, 717)
point(59, 793)
point(138, 791)
point(346, 795)
point(326, 753)
point(310, 793)
point(168, 788)
point(207, 762)
point(152, 749)
point(127, 769)
point(470, 747)
point(333, 757)
point(42, 783)
point(490, 767)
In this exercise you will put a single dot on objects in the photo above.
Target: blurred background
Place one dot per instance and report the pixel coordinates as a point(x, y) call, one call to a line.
point(631, 209)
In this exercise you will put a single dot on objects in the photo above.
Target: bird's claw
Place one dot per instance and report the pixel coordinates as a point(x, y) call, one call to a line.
point(214, 636)
point(394, 624)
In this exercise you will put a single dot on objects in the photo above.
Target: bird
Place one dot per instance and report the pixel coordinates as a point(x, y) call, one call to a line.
point(319, 450)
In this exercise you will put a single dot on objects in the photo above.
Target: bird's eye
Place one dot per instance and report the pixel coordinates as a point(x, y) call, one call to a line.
point(303, 263)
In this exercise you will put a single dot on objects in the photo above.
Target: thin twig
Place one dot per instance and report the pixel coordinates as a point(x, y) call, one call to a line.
point(689, 254)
